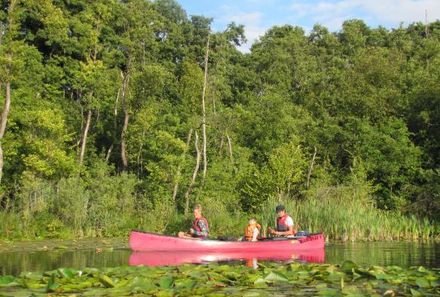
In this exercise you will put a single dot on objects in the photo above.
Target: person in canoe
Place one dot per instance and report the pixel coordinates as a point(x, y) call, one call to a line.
point(200, 227)
point(252, 231)
point(284, 223)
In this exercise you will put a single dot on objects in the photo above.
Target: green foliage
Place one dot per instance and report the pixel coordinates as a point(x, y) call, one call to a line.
point(230, 280)
point(352, 114)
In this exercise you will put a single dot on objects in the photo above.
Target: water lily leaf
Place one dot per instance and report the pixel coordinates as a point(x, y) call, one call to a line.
point(260, 283)
point(321, 286)
point(415, 292)
point(106, 281)
point(65, 272)
point(276, 277)
point(185, 283)
point(423, 282)
point(383, 276)
point(335, 276)
point(6, 280)
point(435, 283)
point(164, 293)
point(166, 282)
point(352, 291)
point(52, 285)
point(328, 292)
point(348, 266)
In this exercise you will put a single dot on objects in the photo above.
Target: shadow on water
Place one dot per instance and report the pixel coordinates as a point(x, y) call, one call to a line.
point(403, 254)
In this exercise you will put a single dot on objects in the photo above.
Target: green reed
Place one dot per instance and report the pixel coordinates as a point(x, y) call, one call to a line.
point(345, 213)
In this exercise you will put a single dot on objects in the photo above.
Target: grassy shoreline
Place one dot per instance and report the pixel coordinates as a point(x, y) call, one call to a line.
point(345, 212)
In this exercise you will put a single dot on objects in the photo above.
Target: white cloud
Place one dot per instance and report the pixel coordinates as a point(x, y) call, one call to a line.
point(385, 12)
point(408, 11)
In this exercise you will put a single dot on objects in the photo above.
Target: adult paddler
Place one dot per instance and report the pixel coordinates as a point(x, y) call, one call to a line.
point(284, 223)
point(199, 228)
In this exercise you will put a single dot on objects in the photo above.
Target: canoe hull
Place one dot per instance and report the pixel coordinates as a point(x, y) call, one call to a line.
point(147, 242)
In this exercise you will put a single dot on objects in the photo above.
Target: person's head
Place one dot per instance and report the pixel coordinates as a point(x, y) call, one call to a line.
point(281, 210)
point(198, 211)
point(252, 222)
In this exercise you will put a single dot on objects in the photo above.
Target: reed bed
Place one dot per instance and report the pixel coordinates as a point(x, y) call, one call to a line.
point(344, 213)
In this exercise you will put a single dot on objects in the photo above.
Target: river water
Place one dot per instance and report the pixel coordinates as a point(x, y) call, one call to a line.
point(109, 254)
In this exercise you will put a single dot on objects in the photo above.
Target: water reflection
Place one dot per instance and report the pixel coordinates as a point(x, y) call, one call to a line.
point(178, 258)
point(403, 254)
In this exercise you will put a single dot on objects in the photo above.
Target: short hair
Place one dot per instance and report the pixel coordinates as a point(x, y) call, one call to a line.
point(197, 206)
point(252, 221)
point(280, 208)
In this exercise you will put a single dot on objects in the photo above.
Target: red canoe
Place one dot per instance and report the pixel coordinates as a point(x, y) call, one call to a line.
point(146, 242)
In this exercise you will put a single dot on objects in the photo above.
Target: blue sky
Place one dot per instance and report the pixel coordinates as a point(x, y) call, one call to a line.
point(259, 15)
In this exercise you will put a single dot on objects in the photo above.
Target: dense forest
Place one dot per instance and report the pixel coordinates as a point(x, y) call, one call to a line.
point(123, 114)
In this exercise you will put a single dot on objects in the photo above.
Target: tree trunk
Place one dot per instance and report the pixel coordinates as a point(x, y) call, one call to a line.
point(3, 123)
point(5, 112)
point(109, 152)
point(205, 161)
point(123, 143)
point(196, 169)
point(178, 173)
point(126, 118)
point(230, 148)
point(84, 137)
point(310, 169)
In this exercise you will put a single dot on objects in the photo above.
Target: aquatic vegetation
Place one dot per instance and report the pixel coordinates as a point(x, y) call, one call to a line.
point(293, 279)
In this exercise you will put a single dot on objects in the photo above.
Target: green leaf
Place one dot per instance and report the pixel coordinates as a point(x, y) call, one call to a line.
point(67, 273)
point(276, 277)
point(415, 292)
point(423, 282)
point(52, 286)
point(7, 279)
point(166, 282)
point(348, 266)
point(106, 281)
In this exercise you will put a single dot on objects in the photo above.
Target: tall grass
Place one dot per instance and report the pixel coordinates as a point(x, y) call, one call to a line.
point(348, 213)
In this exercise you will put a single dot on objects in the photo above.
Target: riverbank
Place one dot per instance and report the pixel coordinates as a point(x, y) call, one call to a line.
point(229, 280)
point(341, 213)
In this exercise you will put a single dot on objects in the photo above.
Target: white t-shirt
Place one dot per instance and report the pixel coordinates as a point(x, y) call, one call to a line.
point(255, 234)
point(289, 221)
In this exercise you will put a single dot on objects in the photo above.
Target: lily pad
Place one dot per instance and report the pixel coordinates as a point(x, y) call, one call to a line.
point(276, 277)
point(423, 282)
point(106, 281)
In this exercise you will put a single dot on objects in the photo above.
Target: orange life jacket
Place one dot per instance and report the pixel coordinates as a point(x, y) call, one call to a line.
point(249, 231)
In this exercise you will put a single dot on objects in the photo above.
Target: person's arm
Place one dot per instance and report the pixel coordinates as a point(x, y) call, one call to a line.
point(203, 227)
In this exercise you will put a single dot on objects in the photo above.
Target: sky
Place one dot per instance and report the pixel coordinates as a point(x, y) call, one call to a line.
point(260, 15)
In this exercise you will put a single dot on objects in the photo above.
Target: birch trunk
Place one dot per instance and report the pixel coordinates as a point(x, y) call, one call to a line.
point(205, 160)
point(84, 137)
point(126, 119)
point(230, 148)
point(310, 169)
point(196, 170)
point(178, 173)
point(3, 123)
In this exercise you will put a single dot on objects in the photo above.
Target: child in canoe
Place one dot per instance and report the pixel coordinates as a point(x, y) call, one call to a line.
point(252, 231)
